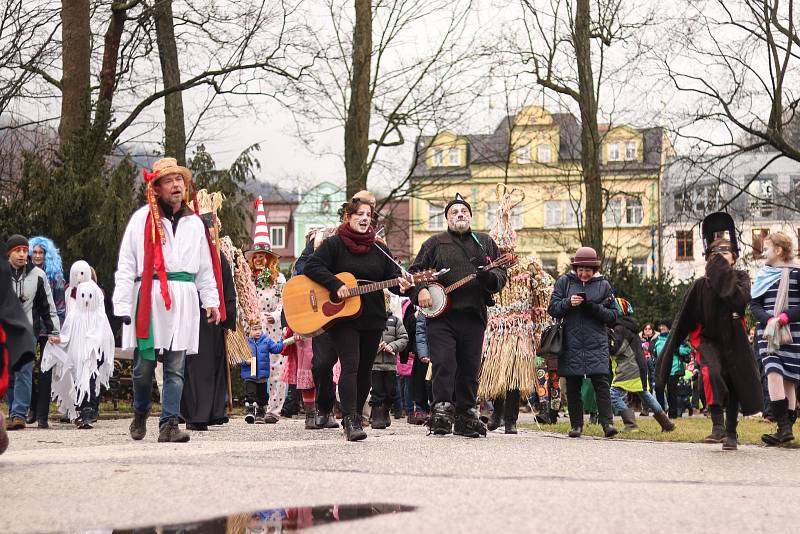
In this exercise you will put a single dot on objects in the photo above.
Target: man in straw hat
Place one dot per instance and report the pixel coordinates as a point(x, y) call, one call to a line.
point(166, 259)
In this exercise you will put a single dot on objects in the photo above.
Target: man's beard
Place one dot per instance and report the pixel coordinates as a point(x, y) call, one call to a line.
point(459, 226)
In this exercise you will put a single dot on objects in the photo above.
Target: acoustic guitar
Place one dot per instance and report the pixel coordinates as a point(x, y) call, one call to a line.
point(440, 302)
point(310, 310)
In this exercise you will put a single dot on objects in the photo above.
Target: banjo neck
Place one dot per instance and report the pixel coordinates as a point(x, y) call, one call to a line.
point(502, 261)
point(455, 285)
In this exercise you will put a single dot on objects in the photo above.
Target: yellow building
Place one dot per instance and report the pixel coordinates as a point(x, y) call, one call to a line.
point(539, 152)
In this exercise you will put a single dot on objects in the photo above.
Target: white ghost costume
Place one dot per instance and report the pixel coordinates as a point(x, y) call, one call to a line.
point(86, 350)
point(80, 272)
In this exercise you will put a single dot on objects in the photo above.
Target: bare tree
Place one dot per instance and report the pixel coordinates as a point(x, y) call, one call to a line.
point(174, 121)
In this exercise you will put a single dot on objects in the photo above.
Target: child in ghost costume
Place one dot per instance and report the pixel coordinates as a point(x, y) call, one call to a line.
point(80, 272)
point(84, 359)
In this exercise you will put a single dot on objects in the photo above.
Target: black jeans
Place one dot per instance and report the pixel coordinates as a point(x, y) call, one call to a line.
point(602, 390)
point(322, 364)
point(256, 392)
point(456, 340)
point(356, 350)
point(672, 396)
point(40, 392)
point(384, 388)
point(508, 406)
point(419, 386)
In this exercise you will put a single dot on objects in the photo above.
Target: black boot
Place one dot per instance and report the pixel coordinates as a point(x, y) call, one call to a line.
point(496, 421)
point(663, 420)
point(609, 430)
point(717, 425)
point(440, 422)
point(376, 417)
point(138, 428)
point(250, 413)
point(469, 425)
point(511, 411)
point(352, 428)
point(387, 415)
point(30, 416)
point(311, 418)
point(629, 419)
point(170, 432)
point(729, 443)
point(511, 426)
point(781, 416)
point(261, 415)
point(575, 432)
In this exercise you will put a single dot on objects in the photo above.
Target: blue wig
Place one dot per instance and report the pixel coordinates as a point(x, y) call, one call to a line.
point(52, 257)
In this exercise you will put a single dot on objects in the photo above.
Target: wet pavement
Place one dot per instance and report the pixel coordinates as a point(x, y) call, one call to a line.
point(68, 480)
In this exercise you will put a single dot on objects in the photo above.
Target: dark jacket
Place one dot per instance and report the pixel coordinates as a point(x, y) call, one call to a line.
point(712, 315)
point(15, 323)
point(333, 257)
point(585, 349)
point(462, 255)
point(630, 362)
point(410, 324)
point(260, 349)
point(31, 284)
point(396, 337)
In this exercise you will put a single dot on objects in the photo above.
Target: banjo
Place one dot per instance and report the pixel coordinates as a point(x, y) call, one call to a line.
point(439, 300)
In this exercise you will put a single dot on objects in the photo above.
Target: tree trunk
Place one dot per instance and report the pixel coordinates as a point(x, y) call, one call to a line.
point(356, 128)
point(590, 138)
point(108, 71)
point(76, 56)
point(175, 127)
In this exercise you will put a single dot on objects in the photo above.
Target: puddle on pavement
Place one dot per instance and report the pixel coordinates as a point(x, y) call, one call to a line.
point(272, 520)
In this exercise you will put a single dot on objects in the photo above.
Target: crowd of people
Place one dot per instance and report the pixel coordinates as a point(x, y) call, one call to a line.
point(434, 353)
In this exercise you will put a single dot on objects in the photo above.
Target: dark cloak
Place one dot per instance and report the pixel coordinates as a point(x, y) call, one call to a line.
point(712, 315)
point(205, 386)
point(19, 333)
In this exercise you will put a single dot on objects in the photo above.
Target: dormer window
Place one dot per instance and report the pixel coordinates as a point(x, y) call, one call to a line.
point(524, 155)
point(613, 152)
point(543, 153)
point(438, 157)
point(453, 157)
point(630, 151)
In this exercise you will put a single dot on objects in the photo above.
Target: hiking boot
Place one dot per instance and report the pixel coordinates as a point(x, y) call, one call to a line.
point(170, 432)
point(376, 418)
point(629, 419)
point(784, 432)
point(270, 418)
point(311, 418)
point(663, 420)
point(729, 442)
point(440, 422)
point(415, 417)
point(3, 434)
point(717, 428)
point(84, 422)
point(138, 427)
point(250, 413)
point(352, 428)
point(261, 415)
point(609, 430)
point(469, 425)
point(575, 432)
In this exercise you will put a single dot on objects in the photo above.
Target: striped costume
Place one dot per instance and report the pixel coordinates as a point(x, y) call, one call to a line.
point(786, 361)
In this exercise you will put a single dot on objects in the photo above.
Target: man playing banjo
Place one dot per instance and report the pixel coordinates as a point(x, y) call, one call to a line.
point(455, 337)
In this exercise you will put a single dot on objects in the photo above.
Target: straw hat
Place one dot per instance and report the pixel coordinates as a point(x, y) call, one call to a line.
point(166, 166)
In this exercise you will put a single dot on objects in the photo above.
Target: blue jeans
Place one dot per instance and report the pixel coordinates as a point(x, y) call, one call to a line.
point(143, 373)
point(20, 385)
point(648, 400)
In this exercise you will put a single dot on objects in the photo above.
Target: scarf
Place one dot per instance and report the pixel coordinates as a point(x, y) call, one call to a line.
point(356, 242)
point(775, 333)
point(765, 277)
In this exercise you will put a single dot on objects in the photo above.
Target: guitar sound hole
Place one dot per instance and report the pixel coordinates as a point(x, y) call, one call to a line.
point(330, 309)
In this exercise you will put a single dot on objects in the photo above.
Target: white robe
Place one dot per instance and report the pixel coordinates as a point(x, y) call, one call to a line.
point(187, 251)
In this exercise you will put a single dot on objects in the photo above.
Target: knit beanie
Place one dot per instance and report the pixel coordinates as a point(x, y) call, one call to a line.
point(15, 241)
point(457, 200)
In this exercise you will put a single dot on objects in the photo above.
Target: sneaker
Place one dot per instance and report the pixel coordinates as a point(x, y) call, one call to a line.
point(15, 423)
point(84, 422)
point(170, 432)
point(469, 425)
point(271, 419)
point(250, 413)
point(261, 415)
point(440, 422)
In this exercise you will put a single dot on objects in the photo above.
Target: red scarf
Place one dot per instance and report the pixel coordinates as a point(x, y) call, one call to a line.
point(356, 242)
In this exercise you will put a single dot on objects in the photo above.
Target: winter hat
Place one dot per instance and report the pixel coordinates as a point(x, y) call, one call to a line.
point(665, 322)
point(624, 307)
point(586, 257)
point(457, 200)
point(261, 242)
point(14, 242)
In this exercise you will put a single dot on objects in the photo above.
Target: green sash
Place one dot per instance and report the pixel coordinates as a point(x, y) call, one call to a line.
point(147, 347)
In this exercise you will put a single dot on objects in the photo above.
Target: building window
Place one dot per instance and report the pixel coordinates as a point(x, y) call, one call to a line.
point(435, 216)
point(543, 153)
point(640, 264)
point(613, 152)
point(515, 217)
point(438, 157)
point(684, 245)
point(794, 194)
point(524, 155)
point(758, 236)
point(572, 210)
point(633, 211)
point(614, 212)
point(708, 199)
point(552, 213)
point(550, 265)
point(453, 157)
point(761, 202)
point(630, 151)
point(682, 202)
point(277, 236)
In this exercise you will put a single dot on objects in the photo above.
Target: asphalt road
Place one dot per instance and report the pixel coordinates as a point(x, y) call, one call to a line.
point(63, 479)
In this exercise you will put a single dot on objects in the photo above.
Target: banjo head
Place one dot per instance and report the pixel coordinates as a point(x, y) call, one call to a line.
point(438, 301)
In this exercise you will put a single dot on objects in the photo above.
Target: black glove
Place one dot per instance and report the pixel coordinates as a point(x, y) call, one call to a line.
point(126, 319)
point(485, 277)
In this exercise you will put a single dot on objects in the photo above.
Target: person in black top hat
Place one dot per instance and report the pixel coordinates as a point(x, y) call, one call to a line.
point(455, 338)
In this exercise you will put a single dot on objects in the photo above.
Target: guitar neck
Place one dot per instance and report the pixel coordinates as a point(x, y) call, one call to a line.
point(374, 286)
point(455, 285)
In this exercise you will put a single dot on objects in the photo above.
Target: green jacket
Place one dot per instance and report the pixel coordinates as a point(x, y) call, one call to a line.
point(678, 358)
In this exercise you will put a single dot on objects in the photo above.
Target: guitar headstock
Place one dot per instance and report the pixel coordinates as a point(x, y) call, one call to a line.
point(428, 276)
point(507, 259)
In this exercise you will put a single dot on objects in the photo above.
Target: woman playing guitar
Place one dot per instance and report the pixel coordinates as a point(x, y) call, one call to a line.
point(353, 249)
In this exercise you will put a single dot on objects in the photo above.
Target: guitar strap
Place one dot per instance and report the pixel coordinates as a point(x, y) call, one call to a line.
point(466, 254)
